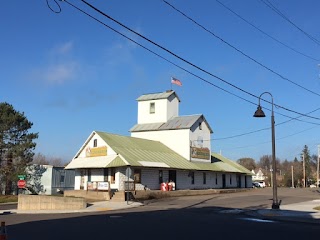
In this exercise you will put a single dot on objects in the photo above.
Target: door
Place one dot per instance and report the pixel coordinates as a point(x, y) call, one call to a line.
point(238, 181)
point(223, 181)
point(173, 176)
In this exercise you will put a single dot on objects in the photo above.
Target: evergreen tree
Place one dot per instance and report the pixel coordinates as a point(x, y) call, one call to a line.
point(16, 145)
point(307, 160)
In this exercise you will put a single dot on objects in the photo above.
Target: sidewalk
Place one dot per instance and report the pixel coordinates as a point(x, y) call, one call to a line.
point(92, 207)
point(298, 212)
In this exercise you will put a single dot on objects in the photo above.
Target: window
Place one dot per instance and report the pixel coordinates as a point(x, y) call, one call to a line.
point(137, 175)
point(230, 180)
point(200, 126)
point(95, 143)
point(61, 178)
point(204, 178)
point(192, 177)
point(216, 179)
point(113, 175)
point(160, 176)
point(152, 107)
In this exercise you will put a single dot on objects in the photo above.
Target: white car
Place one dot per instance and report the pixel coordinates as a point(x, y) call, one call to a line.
point(259, 184)
point(262, 184)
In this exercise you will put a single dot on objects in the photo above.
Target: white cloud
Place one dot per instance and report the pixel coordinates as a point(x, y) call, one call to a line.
point(59, 73)
point(60, 67)
point(63, 48)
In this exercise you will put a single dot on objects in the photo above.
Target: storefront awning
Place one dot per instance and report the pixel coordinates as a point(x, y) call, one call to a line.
point(92, 162)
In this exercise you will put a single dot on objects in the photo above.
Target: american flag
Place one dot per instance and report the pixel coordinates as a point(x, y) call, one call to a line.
point(176, 81)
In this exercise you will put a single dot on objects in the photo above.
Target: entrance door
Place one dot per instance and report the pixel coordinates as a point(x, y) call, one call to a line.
point(173, 176)
point(223, 181)
point(239, 181)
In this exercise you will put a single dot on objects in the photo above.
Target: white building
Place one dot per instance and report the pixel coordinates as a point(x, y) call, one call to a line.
point(48, 180)
point(259, 176)
point(163, 146)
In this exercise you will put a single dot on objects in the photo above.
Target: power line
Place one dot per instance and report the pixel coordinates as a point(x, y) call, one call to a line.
point(293, 134)
point(52, 9)
point(238, 50)
point(266, 34)
point(190, 63)
point(175, 55)
point(276, 10)
point(263, 129)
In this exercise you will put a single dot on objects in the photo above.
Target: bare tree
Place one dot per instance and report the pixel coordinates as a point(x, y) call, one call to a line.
point(43, 160)
point(40, 159)
point(248, 163)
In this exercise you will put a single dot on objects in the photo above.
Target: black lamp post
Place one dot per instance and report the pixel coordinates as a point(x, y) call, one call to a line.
point(260, 113)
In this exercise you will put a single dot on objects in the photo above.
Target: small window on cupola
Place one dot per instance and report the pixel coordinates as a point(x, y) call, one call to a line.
point(95, 143)
point(152, 107)
point(200, 126)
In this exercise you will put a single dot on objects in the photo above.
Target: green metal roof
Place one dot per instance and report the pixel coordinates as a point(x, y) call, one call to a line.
point(138, 152)
point(117, 162)
point(231, 163)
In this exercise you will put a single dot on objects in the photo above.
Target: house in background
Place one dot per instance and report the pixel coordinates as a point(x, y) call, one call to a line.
point(258, 179)
point(163, 146)
point(259, 176)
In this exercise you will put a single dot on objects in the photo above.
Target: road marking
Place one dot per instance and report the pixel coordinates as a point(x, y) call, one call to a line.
point(257, 220)
point(115, 216)
point(232, 211)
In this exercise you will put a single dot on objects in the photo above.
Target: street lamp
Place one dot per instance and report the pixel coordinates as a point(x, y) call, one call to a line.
point(259, 113)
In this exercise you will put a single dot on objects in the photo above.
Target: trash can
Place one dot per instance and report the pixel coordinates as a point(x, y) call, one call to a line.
point(164, 186)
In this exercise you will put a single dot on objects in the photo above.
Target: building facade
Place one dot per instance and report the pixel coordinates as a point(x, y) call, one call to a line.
point(163, 147)
point(49, 180)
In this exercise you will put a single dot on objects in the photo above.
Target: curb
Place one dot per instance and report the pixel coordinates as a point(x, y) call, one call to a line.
point(278, 217)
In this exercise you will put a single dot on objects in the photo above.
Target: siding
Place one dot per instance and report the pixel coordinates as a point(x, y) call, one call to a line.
point(150, 179)
point(62, 179)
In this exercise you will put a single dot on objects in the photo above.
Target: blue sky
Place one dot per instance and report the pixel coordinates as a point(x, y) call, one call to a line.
point(71, 75)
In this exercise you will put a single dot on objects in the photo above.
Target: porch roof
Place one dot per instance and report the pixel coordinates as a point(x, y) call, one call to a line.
point(95, 162)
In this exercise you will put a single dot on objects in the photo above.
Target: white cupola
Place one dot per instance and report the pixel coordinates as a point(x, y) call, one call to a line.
point(158, 107)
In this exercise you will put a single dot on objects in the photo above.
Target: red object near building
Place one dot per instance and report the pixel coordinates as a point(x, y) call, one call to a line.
point(164, 186)
point(21, 183)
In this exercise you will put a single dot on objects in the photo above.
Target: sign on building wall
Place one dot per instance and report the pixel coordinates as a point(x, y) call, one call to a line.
point(96, 151)
point(100, 186)
point(200, 153)
point(103, 185)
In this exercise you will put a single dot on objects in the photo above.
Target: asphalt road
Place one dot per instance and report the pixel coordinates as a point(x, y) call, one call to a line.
point(211, 216)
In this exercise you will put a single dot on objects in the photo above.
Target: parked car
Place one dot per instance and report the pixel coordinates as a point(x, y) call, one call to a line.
point(260, 184)
point(255, 185)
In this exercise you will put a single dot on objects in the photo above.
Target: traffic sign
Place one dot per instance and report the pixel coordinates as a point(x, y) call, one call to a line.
point(21, 177)
point(21, 183)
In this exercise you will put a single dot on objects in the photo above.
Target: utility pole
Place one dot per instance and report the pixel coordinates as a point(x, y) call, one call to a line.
point(292, 180)
point(318, 183)
point(271, 176)
point(304, 170)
